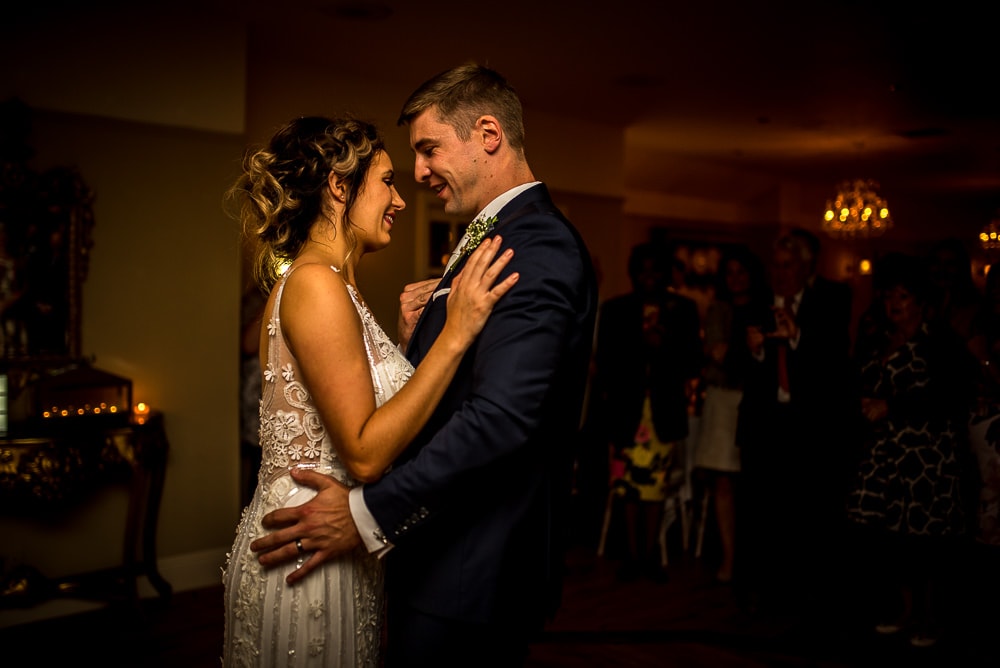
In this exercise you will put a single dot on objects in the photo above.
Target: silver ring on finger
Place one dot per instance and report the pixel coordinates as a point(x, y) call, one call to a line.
point(302, 553)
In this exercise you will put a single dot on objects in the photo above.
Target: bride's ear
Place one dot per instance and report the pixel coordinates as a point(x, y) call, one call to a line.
point(337, 188)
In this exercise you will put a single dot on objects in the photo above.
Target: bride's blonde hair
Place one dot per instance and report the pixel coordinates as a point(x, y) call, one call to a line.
point(282, 190)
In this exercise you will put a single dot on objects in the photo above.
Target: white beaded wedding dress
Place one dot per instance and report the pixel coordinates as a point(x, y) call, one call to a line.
point(333, 617)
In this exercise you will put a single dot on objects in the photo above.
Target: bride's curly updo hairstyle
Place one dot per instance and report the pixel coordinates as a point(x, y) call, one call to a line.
point(283, 188)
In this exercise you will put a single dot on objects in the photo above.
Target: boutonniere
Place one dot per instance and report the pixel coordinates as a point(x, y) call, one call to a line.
point(478, 229)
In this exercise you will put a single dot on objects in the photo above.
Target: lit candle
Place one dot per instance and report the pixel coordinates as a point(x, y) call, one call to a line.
point(141, 411)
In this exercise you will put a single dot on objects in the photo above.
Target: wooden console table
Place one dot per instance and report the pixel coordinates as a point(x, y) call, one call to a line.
point(47, 467)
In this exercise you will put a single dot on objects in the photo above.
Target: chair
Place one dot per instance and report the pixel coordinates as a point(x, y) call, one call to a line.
point(617, 473)
point(674, 505)
point(706, 497)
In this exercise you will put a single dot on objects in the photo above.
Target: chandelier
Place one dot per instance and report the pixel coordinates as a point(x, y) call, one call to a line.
point(990, 236)
point(857, 211)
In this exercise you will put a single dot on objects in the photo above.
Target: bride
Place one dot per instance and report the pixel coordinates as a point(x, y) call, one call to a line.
point(338, 395)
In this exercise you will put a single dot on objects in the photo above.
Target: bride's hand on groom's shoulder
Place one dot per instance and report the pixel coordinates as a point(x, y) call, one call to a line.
point(476, 289)
point(322, 527)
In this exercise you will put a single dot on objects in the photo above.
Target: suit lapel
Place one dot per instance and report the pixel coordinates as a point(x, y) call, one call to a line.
point(418, 348)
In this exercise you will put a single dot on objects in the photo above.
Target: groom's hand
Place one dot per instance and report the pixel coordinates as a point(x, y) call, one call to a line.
point(323, 526)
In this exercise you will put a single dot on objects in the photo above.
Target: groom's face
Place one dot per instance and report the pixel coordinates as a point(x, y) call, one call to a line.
point(449, 165)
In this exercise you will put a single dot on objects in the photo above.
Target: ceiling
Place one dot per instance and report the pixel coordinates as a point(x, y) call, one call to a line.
point(717, 100)
point(820, 89)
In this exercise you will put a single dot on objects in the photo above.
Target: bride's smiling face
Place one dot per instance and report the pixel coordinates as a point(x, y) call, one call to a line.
point(374, 212)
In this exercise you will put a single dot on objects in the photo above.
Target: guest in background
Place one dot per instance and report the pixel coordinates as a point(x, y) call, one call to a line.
point(981, 583)
point(792, 437)
point(648, 352)
point(984, 426)
point(956, 303)
point(741, 299)
point(954, 299)
point(907, 496)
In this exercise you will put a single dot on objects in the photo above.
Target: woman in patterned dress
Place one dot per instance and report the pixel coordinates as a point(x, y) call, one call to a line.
point(907, 496)
point(338, 395)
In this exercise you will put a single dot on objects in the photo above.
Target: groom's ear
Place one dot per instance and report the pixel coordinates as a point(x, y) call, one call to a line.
point(489, 133)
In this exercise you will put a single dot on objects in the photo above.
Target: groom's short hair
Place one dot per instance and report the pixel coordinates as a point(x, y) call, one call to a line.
point(463, 94)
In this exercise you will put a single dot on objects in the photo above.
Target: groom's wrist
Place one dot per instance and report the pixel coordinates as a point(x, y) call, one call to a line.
point(372, 536)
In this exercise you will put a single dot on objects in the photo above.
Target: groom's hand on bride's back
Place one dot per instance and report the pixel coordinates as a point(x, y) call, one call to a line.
point(323, 525)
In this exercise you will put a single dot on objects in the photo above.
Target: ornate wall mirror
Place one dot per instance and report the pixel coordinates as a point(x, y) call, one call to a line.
point(46, 224)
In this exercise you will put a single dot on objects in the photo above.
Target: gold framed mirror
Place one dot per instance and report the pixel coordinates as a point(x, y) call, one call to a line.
point(46, 225)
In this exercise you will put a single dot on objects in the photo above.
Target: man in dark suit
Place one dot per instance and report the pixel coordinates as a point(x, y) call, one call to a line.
point(471, 516)
point(648, 349)
point(793, 434)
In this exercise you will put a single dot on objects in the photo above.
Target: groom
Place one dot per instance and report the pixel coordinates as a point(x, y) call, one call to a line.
point(471, 515)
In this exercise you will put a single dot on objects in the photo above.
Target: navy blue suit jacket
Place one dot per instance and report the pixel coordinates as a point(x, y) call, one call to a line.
point(474, 506)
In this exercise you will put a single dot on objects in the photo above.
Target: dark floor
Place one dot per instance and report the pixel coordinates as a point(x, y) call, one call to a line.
point(687, 621)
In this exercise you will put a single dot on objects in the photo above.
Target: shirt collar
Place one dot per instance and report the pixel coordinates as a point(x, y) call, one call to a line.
point(493, 208)
point(793, 301)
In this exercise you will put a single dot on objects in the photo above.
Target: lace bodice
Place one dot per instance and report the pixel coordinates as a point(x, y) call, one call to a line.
point(291, 432)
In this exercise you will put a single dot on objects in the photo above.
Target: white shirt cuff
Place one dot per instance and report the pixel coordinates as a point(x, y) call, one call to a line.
point(371, 535)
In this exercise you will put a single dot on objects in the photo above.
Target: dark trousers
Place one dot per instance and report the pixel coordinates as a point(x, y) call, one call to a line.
point(416, 639)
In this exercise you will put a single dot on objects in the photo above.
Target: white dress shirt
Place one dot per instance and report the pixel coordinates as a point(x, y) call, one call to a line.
point(779, 302)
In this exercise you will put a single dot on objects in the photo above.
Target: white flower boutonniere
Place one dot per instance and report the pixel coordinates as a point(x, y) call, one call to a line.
point(478, 229)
